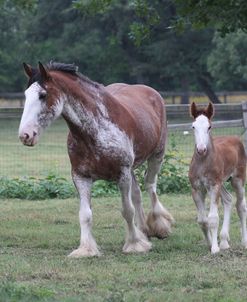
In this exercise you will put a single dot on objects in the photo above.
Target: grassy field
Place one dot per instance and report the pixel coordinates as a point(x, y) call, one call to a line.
point(37, 236)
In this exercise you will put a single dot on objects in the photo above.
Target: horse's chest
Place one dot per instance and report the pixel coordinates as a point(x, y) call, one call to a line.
point(200, 177)
point(102, 154)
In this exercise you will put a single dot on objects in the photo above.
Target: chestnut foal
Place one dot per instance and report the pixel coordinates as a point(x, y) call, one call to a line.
point(214, 161)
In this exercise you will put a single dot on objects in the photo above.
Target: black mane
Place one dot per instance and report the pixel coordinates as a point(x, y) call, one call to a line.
point(63, 67)
point(71, 69)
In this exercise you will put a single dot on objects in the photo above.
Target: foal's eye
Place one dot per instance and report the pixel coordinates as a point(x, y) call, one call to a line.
point(42, 95)
point(209, 128)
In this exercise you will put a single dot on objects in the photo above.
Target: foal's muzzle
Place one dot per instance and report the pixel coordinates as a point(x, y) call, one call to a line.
point(201, 151)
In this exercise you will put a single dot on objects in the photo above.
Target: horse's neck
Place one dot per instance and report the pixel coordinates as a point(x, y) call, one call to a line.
point(84, 113)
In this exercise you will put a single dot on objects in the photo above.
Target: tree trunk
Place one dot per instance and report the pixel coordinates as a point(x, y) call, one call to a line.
point(185, 88)
point(207, 89)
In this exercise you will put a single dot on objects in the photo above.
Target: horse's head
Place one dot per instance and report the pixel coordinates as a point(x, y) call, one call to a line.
point(43, 104)
point(202, 126)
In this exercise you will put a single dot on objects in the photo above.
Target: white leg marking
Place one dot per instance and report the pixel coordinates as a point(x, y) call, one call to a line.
point(136, 241)
point(159, 220)
point(213, 219)
point(241, 209)
point(139, 211)
point(224, 234)
point(88, 246)
point(199, 199)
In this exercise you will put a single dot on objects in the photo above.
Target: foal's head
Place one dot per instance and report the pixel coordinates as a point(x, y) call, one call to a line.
point(43, 104)
point(202, 126)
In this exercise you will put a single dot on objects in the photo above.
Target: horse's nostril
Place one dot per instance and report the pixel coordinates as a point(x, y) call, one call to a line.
point(34, 133)
point(26, 136)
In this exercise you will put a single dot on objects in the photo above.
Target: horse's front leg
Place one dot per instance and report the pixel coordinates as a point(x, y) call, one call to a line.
point(227, 204)
point(88, 246)
point(213, 217)
point(136, 241)
point(199, 199)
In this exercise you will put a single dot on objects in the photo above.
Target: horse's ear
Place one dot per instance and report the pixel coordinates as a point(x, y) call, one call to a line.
point(193, 110)
point(28, 70)
point(44, 73)
point(210, 110)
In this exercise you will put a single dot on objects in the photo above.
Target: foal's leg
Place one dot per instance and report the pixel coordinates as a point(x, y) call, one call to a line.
point(199, 199)
point(136, 241)
point(238, 186)
point(227, 203)
point(213, 217)
point(159, 219)
point(137, 201)
point(88, 246)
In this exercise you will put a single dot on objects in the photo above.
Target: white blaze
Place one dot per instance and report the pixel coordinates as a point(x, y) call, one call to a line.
point(201, 131)
point(29, 119)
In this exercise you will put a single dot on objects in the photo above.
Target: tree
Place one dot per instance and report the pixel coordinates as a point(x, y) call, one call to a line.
point(227, 61)
point(224, 15)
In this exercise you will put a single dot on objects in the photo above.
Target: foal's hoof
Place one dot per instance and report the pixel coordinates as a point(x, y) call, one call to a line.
point(140, 246)
point(84, 252)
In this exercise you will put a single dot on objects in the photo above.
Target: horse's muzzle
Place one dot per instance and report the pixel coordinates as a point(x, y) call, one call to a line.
point(29, 139)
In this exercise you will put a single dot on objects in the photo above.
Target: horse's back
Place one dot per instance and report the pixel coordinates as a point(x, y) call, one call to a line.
point(231, 150)
point(146, 108)
point(138, 96)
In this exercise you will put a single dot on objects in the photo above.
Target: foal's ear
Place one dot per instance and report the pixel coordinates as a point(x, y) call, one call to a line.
point(28, 70)
point(193, 110)
point(210, 110)
point(44, 73)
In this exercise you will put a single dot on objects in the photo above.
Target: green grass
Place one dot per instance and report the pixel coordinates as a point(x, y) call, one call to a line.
point(37, 236)
point(48, 156)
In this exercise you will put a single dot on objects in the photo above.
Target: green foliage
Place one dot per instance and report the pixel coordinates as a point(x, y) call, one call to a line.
point(33, 189)
point(172, 179)
point(227, 61)
point(224, 15)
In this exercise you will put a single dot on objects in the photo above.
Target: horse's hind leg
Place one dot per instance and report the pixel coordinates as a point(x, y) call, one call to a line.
point(136, 241)
point(159, 220)
point(238, 186)
point(227, 204)
point(137, 201)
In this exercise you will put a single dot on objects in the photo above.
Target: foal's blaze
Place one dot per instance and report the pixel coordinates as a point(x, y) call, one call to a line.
point(214, 161)
point(113, 130)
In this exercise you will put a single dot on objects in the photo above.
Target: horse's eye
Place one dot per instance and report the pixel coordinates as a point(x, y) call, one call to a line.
point(209, 128)
point(42, 95)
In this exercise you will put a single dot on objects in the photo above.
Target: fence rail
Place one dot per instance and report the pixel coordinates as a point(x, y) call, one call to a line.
point(174, 112)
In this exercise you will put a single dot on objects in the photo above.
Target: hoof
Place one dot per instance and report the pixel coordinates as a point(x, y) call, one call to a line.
point(215, 250)
point(224, 245)
point(84, 252)
point(139, 246)
point(159, 226)
point(244, 244)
